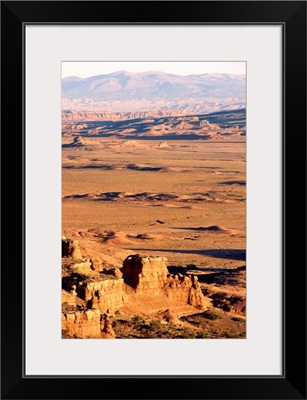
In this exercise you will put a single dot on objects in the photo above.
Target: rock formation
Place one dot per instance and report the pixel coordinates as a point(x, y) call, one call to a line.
point(68, 298)
point(184, 289)
point(107, 294)
point(106, 328)
point(145, 274)
point(82, 324)
point(108, 290)
point(102, 292)
point(150, 276)
point(70, 248)
point(87, 324)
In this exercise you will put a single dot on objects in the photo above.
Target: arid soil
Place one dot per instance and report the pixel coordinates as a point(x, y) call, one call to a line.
point(179, 201)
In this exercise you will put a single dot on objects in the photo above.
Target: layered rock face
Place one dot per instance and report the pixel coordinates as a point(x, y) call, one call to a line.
point(68, 298)
point(87, 324)
point(104, 295)
point(109, 290)
point(184, 289)
point(150, 276)
point(82, 324)
point(145, 274)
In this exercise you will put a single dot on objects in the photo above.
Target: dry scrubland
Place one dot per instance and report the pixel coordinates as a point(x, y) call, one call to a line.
point(182, 203)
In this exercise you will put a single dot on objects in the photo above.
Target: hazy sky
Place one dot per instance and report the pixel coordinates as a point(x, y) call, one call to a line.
point(86, 69)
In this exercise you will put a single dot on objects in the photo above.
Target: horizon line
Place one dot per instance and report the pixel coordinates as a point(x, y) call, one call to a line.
point(168, 73)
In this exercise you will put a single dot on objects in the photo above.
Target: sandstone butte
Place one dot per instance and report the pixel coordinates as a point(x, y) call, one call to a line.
point(141, 280)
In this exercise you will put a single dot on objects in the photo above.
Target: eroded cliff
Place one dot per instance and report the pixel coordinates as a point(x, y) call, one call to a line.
point(91, 295)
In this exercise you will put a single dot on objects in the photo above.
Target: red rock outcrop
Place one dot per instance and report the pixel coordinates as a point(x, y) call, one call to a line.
point(145, 274)
point(149, 275)
point(68, 298)
point(142, 277)
point(87, 324)
point(107, 331)
point(104, 294)
point(70, 248)
point(82, 324)
point(184, 289)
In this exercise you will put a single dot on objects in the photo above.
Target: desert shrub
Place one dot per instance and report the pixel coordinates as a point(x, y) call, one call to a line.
point(201, 335)
point(203, 322)
point(211, 315)
point(123, 321)
point(231, 334)
point(187, 333)
point(154, 325)
point(138, 319)
point(192, 266)
point(238, 319)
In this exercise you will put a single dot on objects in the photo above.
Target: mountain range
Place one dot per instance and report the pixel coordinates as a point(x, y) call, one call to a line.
point(144, 91)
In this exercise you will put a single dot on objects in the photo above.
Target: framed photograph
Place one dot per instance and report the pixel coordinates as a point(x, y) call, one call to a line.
point(161, 153)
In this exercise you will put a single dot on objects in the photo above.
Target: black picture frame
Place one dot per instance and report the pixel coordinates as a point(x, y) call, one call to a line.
point(292, 16)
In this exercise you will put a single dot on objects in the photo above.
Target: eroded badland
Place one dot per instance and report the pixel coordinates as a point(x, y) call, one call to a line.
point(154, 226)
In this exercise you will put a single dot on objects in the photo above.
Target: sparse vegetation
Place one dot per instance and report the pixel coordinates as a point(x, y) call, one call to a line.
point(154, 325)
point(138, 319)
point(211, 315)
point(238, 319)
point(202, 335)
point(231, 334)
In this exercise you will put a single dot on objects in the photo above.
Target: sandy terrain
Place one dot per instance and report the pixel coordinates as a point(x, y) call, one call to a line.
point(162, 199)
point(180, 199)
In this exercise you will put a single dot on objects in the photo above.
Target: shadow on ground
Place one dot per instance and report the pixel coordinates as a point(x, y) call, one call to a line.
point(230, 254)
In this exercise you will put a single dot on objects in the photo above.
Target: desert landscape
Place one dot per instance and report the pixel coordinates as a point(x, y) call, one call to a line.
point(153, 207)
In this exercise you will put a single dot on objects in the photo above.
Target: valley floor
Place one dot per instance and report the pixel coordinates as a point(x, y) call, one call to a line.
point(179, 199)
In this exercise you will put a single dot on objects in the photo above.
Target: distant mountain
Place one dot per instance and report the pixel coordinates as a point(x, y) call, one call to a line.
point(124, 85)
point(154, 89)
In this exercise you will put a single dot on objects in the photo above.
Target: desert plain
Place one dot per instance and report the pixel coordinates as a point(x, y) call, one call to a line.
point(154, 226)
